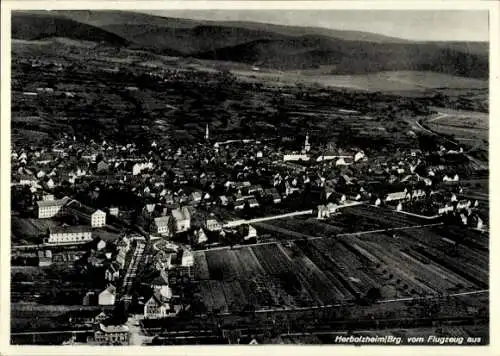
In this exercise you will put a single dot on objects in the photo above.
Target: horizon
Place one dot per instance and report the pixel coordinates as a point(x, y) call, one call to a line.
point(414, 25)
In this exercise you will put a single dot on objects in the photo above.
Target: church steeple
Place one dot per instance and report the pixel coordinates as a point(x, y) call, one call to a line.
point(207, 136)
point(307, 145)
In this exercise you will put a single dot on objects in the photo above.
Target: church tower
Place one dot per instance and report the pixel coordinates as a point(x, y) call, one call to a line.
point(206, 133)
point(307, 145)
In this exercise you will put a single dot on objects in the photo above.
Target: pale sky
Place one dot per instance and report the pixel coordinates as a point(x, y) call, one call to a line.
point(421, 25)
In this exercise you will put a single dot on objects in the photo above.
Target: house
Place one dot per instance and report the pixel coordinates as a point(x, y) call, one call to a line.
point(295, 157)
point(323, 212)
point(182, 219)
point(161, 280)
point(114, 211)
point(248, 232)
point(196, 197)
point(112, 335)
point(255, 189)
point(359, 156)
point(475, 221)
point(107, 296)
point(94, 217)
point(158, 306)
point(223, 200)
point(139, 167)
point(445, 208)
point(90, 298)
point(163, 225)
point(101, 317)
point(213, 225)
point(417, 194)
point(102, 166)
point(82, 317)
point(187, 259)
point(396, 196)
point(69, 234)
point(44, 258)
point(47, 197)
point(163, 260)
point(276, 198)
point(455, 178)
point(252, 203)
point(101, 245)
point(240, 205)
point(122, 254)
point(112, 273)
point(199, 237)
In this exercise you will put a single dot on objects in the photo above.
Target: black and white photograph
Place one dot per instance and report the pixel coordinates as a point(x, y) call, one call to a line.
point(248, 177)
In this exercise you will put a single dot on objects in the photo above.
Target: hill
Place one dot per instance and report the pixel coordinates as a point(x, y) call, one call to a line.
point(111, 19)
point(352, 57)
point(267, 45)
point(36, 26)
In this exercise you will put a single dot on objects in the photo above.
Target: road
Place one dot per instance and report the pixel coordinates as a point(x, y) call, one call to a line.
point(52, 332)
point(412, 214)
point(138, 337)
point(283, 216)
point(267, 218)
point(477, 162)
point(44, 245)
point(441, 115)
point(130, 275)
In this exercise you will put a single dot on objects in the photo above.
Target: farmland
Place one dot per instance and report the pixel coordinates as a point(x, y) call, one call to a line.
point(415, 263)
point(463, 125)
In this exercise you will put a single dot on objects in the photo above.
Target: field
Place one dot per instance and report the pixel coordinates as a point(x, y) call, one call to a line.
point(463, 125)
point(397, 81)
point(24, 229)
point(329, 269)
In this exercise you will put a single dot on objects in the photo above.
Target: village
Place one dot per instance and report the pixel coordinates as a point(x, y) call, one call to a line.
point(123, 211)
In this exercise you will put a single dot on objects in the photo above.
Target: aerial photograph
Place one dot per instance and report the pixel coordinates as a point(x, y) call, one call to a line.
point(249, 177)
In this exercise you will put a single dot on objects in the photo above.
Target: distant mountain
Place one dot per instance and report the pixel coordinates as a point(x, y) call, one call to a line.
point(352, 57)
point(110, 19)
point(36, 26)
point(267, 45)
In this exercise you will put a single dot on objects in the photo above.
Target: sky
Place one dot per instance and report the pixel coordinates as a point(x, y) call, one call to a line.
point(420, 25)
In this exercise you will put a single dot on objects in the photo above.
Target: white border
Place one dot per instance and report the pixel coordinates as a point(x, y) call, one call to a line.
point(7, 6)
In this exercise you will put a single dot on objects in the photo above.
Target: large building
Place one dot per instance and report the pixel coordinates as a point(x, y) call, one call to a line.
point(47, 209)
point(112, 335)
point(94, 217)
point(69, 234)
